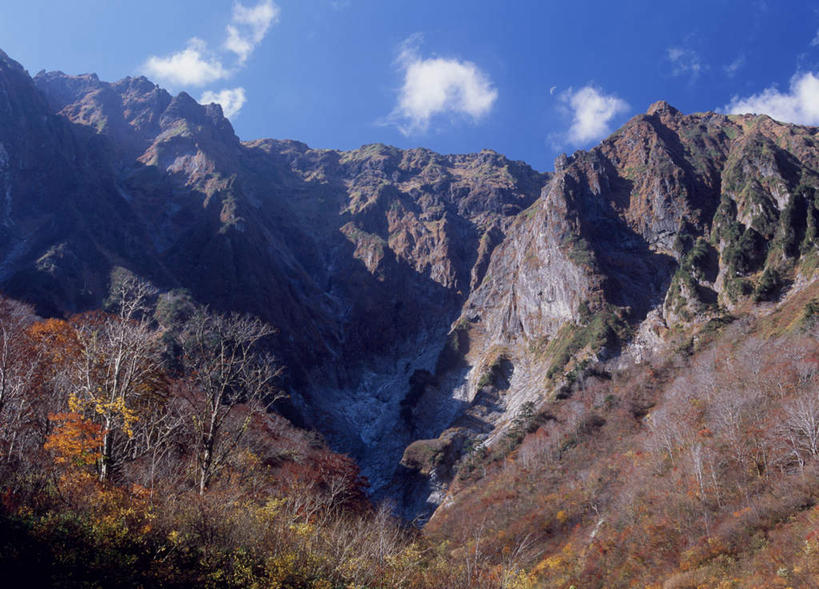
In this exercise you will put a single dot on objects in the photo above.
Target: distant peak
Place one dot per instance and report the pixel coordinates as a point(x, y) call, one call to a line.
point(184, 97)
point(662, 107)
point(9, 62)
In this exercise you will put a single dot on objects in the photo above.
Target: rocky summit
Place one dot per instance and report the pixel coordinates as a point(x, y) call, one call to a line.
point(425, 303)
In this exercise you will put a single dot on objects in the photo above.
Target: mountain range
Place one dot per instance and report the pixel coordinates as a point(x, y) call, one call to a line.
point(427, 305)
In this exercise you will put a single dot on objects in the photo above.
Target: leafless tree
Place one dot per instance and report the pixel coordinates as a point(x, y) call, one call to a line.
point(154, 438)
point(222, 356)
point(119, 365)
point(474, 558)
point(18, 363)
point(800, 429)
point(539, 450)
point(666, 436)
point(512, 563)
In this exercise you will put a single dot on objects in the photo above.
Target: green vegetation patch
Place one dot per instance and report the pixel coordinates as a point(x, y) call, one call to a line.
point(685, 288)
point(602, 330)
point(580, 251)
point(810, 315)
point(768, 286)
point(425, 455)
point(456, 347)
point(495, 369)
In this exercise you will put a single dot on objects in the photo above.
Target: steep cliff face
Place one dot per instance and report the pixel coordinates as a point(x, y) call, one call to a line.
point(616, 222)
point(672, 221)
point(419, 297)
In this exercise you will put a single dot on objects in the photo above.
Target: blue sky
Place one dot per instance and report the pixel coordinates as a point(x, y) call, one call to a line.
point(529, 79)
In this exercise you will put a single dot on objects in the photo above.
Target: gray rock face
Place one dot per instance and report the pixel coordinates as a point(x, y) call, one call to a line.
point(532, 285)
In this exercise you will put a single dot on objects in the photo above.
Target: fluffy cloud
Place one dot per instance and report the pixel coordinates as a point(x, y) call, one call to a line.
point(230, 99)
point(685, 62)
point(248, 27)
point(438, 86)
point(192, 66)
point(815, 41)
point(592, 112)
point(196, 65)
point(800, 104)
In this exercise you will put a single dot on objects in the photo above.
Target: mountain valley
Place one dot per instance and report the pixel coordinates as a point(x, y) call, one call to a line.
point(558, 363)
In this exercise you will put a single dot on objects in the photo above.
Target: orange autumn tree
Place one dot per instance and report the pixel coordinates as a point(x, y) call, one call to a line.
point(57, 341)
point(75, 440)
point(108, 367)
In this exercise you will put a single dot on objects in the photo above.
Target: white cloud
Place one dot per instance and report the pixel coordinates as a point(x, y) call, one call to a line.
point(248, 26)
point(815, 41)
point(231, 100)
point(193, 66)
point(592, 113)
point(196, 65)
point(438, 86)
point(685, 62)
point(800, 104)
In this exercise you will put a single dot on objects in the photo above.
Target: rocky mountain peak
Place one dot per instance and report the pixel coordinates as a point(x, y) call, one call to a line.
point(200, 119)
point(135, 113)
point(18, 97)
point(661, 107)
point(9, 63)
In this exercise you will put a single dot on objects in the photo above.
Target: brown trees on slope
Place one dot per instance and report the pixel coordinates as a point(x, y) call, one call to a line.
point(221, 356)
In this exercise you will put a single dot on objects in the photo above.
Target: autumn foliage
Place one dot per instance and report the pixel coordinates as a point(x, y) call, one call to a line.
point(137, 449)
point(75, 441)
point(140, 446)
point(697, 468)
